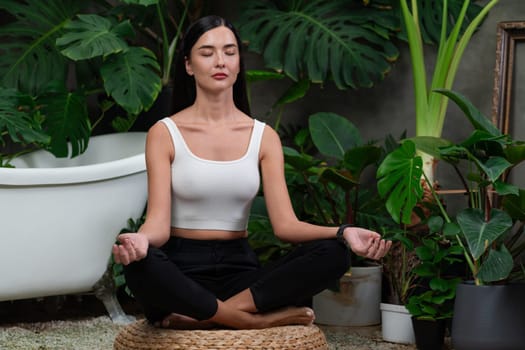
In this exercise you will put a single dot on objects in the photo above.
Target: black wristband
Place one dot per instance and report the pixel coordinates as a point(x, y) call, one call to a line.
point(340, 230)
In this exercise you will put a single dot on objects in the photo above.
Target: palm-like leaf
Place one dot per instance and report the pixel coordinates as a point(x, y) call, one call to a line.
point(92, 35)
point(132, 79)
point(322, 40)
point(66, 121)
point(30, 59)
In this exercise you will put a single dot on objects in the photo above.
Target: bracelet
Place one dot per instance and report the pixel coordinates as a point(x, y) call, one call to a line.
point(339, 235)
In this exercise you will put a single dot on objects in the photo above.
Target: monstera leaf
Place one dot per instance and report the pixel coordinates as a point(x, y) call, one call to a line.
point(30, 59)
point(92, 35)
point(66, 121)
point(399, 181)
point(132, 79)
point(342, 40)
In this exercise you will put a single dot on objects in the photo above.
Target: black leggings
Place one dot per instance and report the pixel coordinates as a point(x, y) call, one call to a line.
point(187, 276)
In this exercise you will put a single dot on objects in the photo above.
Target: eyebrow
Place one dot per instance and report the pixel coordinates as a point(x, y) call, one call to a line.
point(227, 46)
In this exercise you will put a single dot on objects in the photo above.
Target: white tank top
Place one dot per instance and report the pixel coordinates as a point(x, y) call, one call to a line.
point(213, 195)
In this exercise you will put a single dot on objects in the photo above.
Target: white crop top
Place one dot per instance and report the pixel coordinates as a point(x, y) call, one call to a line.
point(213, 195)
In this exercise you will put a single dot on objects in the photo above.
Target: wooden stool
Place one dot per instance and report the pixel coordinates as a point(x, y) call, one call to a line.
point(140, 335)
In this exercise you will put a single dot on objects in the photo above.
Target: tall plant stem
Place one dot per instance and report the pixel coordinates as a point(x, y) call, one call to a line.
point(468, 258)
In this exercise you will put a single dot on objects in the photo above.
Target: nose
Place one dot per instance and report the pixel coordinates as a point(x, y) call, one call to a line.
point(220, 59)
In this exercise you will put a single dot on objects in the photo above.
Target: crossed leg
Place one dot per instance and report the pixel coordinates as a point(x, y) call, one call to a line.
point(240, 312)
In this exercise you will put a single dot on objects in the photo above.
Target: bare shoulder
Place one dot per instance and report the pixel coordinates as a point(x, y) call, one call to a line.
point(159, 140)
point(271, 143)
point(157, 130)
point(270, 135)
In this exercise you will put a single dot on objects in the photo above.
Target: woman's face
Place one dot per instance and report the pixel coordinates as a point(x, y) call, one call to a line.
point(214, 59)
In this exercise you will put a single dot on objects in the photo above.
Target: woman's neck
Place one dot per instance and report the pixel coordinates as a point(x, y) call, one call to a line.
point(214, 108)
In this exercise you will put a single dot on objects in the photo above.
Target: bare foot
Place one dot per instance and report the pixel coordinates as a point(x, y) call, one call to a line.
point(177, 321)
point(287, 316)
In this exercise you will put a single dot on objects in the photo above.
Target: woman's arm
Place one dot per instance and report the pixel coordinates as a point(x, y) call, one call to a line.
point(285, 223)
point(159, 155)
point(156, 229)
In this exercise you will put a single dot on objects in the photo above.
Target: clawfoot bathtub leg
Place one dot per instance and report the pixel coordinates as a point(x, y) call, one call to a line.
point(104, 290)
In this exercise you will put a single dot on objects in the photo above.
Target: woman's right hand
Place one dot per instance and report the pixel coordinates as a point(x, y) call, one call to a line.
point(132, 247)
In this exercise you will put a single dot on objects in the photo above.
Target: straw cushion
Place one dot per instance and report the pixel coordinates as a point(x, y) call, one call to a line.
point(142, 336)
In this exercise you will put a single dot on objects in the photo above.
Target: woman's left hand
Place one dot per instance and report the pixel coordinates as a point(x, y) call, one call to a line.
point(366, 243)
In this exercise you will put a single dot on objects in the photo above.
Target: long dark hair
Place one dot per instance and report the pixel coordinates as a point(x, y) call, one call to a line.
point(184, 84)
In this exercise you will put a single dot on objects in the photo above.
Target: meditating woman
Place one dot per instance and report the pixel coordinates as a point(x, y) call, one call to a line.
point(190, 264)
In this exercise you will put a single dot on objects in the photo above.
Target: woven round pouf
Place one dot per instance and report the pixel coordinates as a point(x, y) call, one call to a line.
point(142, 336)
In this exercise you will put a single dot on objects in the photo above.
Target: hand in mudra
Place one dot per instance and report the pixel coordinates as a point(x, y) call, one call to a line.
point(366, 243)
point(132, 247)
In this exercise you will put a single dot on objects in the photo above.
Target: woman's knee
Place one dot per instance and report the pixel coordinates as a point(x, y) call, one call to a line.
point(336, 255)
point(144, 268)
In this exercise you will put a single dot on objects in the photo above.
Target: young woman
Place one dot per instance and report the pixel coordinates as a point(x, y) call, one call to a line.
point(190, 265)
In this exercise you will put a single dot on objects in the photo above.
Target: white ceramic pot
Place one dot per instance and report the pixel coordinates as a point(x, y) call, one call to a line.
point(396, 324)
point(355, 304)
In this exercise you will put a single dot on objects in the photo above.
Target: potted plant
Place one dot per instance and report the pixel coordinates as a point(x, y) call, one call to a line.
point(488, 230)
point(409, 205)
point(324, 173)
point(432, 301)
point(431, 107)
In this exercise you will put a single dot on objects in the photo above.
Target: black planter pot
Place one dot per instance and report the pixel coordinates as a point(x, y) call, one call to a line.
point(489, 317)
point(430, 335)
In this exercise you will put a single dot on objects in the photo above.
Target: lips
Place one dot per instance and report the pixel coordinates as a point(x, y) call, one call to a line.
point(220, 76)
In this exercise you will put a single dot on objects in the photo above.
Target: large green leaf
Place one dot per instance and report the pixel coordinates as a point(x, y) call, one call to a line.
point(515, 205)
point(299, 161)
point(345, 41)
point(333, 134)
point(497, 266)
point(294, 92)
point(90, 36)
point(360, 157)
point(16, 118)
point(430, 144)
point(474, 115)
point(30, 59)
point(494, 167)
point(399, 181)
point(253, 75)
point(66, 122)
point(342, 178)
point(515, 153)
point(479, 233)
point(132, 79)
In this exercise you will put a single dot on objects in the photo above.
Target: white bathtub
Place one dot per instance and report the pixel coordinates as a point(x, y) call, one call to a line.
point(59, 217)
